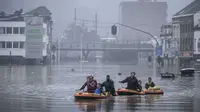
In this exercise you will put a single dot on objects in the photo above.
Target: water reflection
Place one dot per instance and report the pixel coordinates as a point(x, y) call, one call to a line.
point(89, 106)
point(109, 104)
point(51, 89)
point(149, 99)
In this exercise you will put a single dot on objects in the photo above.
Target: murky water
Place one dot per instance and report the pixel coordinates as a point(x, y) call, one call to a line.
point(51, 89)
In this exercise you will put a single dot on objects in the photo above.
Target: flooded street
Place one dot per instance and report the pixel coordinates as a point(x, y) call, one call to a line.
point(51, 89)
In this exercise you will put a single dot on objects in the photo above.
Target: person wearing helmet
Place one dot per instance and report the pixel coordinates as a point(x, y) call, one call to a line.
point(91, 84)
point(132, 82)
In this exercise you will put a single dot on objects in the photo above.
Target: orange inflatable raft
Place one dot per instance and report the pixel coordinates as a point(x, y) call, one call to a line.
point(86, 95)
point(154, 90)
point(123, 91)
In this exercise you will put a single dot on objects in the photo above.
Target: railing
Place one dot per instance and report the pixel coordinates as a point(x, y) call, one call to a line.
point(101, 46)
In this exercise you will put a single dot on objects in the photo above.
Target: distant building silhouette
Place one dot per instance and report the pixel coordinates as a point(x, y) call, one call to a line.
point(143, 14)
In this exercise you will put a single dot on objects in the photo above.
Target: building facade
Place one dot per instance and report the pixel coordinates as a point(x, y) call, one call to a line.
point(184, 20)
point(13, 38)
point(197, 41)
point(169, 44)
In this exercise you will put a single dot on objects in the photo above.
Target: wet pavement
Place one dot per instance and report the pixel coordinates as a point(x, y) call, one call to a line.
point(51, 89)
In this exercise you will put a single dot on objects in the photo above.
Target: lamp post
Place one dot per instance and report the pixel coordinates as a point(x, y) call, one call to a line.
point(81, 43)
point(114, 32)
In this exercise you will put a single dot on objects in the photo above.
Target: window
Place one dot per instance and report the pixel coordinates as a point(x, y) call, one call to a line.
point(22, 30)
point(15, 44)
point(2, 30)
point(9, 30)
point(2, 44)
point(9, 45)
point(21, 45)
point(195, 44)
point(198, 47)
point(15, 30)
point(181, 28)
point(185, 28)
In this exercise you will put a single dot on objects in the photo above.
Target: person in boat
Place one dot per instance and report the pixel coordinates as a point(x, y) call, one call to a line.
point(150, 83)
point(99, 90)
point(91, 84)
point(139, 85)
point(132, 82)
point(109, 85)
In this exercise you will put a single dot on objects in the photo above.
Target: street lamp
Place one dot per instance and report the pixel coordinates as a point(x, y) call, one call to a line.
point(114, 32)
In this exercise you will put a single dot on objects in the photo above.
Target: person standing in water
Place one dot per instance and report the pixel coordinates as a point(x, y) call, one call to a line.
point(109, 85)
point(132, 82)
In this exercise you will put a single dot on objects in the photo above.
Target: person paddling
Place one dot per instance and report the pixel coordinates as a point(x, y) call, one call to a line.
point(91, 84)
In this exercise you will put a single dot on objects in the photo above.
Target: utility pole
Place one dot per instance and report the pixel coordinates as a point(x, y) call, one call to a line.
point(74, 23)
point(96, 22)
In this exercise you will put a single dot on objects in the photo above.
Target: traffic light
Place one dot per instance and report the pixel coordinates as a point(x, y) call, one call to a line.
point(114, 30)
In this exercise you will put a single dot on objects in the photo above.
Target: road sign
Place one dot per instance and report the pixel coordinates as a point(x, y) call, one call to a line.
point(158, 51)
point(34, 37)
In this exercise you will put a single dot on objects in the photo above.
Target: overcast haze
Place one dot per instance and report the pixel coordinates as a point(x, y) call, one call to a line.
point(63, 14)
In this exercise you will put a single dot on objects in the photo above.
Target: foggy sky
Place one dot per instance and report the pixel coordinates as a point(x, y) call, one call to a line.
point(63, 10)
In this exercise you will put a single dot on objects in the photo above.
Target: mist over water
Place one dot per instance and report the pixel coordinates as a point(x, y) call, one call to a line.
point(63, 10)
point(51, 89)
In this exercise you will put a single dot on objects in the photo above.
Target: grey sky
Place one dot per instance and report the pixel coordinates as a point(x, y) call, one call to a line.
point(63, 9)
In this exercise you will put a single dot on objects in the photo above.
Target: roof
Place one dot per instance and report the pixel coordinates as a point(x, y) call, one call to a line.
point(12, 18)
point(42, 11)
point(191, 9)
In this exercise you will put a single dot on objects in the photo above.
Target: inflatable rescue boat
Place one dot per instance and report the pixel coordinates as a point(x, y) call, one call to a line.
point(123, 91)
point(86, 95)
point(154, 90)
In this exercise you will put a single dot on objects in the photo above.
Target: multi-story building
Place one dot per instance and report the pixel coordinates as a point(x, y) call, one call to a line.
point(170, 47)
point(146, 15)
point(184, 23)
point(197, 40)
point(13, 38)
point(166, 37)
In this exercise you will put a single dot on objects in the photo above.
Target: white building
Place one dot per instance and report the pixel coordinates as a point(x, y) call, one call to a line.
point(13, 36)
point(166, 40)
point(197, 34)
point(197, 41)
point(170, 37)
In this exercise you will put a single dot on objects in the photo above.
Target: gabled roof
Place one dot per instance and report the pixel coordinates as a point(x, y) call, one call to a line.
point(192, 8)
point(42, 11)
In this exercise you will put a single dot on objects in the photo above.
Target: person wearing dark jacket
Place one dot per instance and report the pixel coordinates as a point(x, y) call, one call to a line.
point(149, 84)
point(109, 85)
point(139, 85)
point(132, 82)
point(91, 84)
